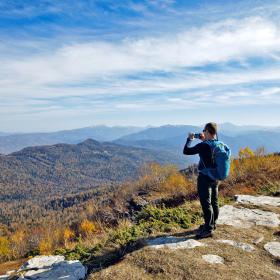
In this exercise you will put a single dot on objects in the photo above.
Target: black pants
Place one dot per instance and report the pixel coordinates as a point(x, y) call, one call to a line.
point(208, 195)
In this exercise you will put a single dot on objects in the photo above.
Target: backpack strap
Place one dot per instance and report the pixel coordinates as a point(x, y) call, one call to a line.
point(212, 151)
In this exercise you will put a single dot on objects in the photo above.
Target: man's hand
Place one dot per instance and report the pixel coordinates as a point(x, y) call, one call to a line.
point(202, 138)
point(191, 136)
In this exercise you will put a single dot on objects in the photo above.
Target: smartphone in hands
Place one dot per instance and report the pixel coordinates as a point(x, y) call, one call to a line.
point(197, 135)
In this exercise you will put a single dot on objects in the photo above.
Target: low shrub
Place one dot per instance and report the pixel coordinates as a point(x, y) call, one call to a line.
point(126, 233)
point(80, 252)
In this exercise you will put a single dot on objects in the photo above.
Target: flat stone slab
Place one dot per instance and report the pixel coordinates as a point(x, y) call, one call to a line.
point(173, 242)
point(215, 259)
point(51, 268)
point(273, 248)
point(246, 218)
point(243, 246)
point(258, 200)
point(42, 262)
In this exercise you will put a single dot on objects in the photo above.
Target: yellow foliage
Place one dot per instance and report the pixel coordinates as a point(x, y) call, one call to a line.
point(46, 246)
point(246, 153)
point(232, 167)
point(155, 177)
point(68, 234)
point(252, 172)
point(4, 247)
point(87, 227)
point(18, 237)
point(18, 242)
point(58, 235)
point(175, 183)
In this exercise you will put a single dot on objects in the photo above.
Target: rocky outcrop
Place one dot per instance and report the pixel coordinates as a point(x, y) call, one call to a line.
point(49, 268)
point(258, 200)
point(246, 218)
point(229, 254)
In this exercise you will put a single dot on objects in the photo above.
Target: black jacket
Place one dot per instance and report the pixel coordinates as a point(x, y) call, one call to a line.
point(204, 152)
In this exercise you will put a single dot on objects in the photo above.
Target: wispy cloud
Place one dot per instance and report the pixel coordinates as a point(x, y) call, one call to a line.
point(79, 63)
point(233, 61)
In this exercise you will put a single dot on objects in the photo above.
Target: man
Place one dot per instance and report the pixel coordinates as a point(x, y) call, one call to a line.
point(207, 187)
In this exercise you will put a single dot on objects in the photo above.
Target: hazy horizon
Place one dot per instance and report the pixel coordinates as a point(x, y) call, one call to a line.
point(144, 127)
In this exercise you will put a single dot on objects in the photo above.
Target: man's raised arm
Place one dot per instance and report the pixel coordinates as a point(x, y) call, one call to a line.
point(188, 150)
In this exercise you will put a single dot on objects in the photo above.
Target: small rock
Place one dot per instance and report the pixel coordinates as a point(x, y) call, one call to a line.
point(258, 240)
point(258, 200)
point(244, 246)
point(215, 259)
point(276, 271)
point(173, 242)
point(246, 218)
point(273, 248)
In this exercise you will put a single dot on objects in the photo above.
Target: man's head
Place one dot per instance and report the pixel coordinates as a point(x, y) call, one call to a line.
point(210, 130)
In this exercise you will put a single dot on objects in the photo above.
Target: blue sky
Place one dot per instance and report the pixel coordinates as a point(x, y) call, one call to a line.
point(68, 64)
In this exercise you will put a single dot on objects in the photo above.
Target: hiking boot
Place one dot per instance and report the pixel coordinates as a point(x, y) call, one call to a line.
point(204, 234)
point(201, 228)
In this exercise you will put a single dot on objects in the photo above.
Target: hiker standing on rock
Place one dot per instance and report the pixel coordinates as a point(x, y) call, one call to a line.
point(214, 165)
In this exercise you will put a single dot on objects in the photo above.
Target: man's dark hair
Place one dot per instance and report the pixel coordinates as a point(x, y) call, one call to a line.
point(211, 127)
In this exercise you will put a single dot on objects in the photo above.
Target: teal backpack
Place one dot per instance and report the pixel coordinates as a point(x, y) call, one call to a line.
point(221, 157)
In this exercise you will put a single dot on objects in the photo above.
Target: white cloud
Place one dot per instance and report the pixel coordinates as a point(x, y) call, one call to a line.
point(100, 69)
point(79, 63)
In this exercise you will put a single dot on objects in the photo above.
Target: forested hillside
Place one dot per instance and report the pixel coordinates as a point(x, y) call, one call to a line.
point(39, 179)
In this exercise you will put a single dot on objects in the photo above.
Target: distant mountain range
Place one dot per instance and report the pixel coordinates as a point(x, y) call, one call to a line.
point(14, 142)
point(169, 138)
point(230, 129)
point(173, 138)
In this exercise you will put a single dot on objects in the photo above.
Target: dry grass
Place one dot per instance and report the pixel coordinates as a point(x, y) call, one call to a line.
point(149, 263)
point(11, 265)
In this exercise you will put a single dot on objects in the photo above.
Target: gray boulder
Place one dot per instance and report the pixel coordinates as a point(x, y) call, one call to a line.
point(246, 218)
point(51, 268)
point(258, 200)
